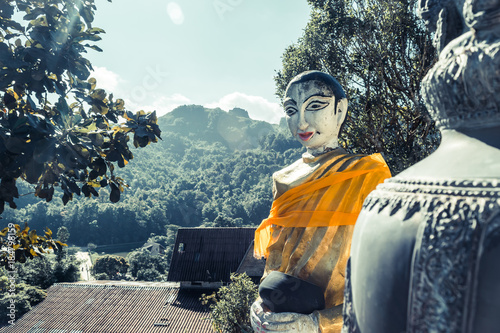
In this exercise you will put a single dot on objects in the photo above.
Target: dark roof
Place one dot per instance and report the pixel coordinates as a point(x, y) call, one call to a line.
point(252, 266)
point(116, 307)
point(216, 250)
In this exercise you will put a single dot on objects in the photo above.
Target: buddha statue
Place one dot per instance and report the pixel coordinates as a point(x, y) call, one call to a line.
point(426, 246)
point(307, 236)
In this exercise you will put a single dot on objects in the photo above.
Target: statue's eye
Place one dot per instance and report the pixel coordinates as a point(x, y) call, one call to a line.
point(290, 111)
point(316, 105)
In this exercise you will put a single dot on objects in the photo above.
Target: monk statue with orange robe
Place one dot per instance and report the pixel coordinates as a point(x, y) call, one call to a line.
point(307, 237)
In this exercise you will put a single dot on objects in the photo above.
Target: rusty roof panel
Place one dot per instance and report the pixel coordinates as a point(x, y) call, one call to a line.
point(121, 308)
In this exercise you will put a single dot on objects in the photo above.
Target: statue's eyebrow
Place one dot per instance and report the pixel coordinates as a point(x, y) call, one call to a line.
point(318, 95)
point(290, 101)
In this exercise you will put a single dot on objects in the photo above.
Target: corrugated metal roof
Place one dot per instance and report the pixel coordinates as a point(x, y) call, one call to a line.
point(108, 307)
point(208, 254)
point(252, 266)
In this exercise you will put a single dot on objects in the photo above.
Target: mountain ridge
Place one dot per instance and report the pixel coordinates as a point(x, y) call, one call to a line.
point(234, 128)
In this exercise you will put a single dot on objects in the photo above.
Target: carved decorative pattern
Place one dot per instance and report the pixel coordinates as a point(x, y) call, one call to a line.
point(350, 322)
point(460, 217)
point(440, 270)
point(457, 89)
point(492, 231)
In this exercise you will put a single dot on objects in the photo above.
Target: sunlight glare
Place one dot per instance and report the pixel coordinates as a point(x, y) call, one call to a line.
point(175, 13)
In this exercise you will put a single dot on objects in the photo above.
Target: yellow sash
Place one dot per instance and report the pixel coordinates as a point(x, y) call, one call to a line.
point(334, 199)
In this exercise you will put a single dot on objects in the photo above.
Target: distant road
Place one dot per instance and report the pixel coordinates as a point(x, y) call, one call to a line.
point(85, 266)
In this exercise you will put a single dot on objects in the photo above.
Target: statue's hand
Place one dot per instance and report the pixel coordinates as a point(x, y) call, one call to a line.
point(265, 321)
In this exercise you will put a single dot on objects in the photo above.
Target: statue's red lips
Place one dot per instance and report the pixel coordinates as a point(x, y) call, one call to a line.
point(305, 136)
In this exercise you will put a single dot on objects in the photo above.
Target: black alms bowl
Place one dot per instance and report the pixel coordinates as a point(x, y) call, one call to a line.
point(285, 293)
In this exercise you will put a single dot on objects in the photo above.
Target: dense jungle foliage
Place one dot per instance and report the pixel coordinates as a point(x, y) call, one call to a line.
point(212, 168)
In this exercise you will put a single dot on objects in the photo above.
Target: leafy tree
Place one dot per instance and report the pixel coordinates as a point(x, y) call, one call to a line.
point(379, 51)
point(57, 129)
point(24, 298)
point(23, 244)
point(63, 234)
point(146, 266)
point(224, 221)
point(44, 271)
point(38, 272)
point(149, 274)
point(113, 266)
point(102, 276)
point(91, 247)
point(230, 308)
point(67, 270)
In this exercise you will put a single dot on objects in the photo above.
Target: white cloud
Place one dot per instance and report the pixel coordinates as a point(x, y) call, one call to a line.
point(138, 98)
point(258, 107)
point(162, 104)
point(106, 79)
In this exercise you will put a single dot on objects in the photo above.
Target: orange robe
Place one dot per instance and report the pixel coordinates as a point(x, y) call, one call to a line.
point(309, 230)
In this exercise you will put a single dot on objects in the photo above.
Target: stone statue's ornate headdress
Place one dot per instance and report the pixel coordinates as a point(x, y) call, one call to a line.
point(462, 90)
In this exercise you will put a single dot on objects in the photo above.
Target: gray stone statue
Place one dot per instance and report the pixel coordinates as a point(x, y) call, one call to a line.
point(425, 253)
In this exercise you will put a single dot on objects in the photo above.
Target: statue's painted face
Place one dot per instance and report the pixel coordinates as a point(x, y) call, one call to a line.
point(312, 117)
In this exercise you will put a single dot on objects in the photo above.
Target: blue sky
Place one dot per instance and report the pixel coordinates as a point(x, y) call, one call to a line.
point(218, 53)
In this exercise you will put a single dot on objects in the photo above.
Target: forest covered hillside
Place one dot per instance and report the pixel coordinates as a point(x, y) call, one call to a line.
point(234, 129)
point(212, 168)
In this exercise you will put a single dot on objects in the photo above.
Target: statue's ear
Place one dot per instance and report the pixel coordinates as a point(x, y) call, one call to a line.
point(341, 111)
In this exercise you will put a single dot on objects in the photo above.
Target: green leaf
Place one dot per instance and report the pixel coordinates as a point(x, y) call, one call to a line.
point(31, 102)
point(45, 150)
point(99, 94)
point(33, 236)
point(15, 145)
point(33, 171)
point(39, 22)
point(64, 110)
point(33, 14)
point(94, 47)
point(114, 196)
point(65, 199)
point(87, 15)
point(93, 38)
point(96, 30)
